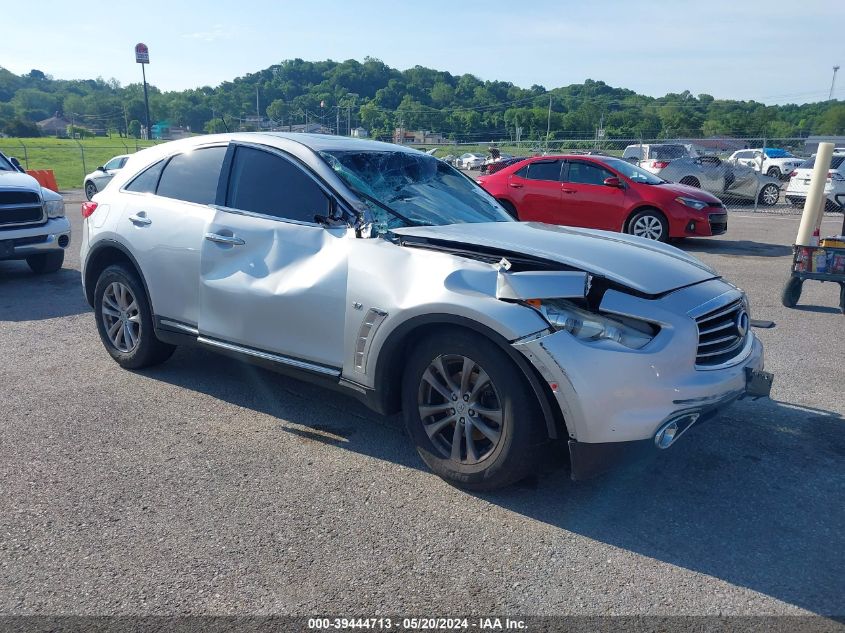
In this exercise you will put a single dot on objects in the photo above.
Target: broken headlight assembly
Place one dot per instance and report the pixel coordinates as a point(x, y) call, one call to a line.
point(591, 326)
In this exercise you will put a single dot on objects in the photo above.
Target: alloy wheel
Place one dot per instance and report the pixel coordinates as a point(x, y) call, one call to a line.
point(90, 190)
point(460, 409)
point(121, 317)
point(648, 226)
point(770, 194)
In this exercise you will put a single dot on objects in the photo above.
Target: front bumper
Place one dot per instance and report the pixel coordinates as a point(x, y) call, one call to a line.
point(54, 235)
point(610, 396)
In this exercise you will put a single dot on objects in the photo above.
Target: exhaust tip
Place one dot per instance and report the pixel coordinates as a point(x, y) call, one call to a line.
point(672, 430)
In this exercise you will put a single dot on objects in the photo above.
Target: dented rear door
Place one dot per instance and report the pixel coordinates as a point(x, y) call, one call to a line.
point(272, 279)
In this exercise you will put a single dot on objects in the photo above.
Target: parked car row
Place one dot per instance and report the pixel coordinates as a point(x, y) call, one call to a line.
point(385, 273)
point(607, 193)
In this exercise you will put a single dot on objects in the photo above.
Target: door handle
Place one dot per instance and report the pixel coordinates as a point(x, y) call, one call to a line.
point(515, 185)
point(229, 240)
point(140, 220)
point(565, 190)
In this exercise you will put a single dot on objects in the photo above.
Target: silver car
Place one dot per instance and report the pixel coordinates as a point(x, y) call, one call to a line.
point(381, 271)
point(723, 179)
point(100, 177)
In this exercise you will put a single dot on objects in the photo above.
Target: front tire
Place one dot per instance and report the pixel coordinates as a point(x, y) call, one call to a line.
point(44, 263)
point(651, 224)
point(470, 411)
point(90, 190)
point(125, 321)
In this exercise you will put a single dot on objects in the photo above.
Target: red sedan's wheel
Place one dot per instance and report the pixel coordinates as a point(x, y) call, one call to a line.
point(650, 224)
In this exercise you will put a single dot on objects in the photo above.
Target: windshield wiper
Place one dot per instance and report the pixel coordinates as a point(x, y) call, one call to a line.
point(380, 204)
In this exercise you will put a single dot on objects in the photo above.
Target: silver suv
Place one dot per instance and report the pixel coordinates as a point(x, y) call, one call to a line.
point(387, 273)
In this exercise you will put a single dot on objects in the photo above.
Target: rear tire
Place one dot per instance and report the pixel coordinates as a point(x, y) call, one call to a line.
point(125, 321)
point(791, 292)
point(477, 427)
point(774, 172)
point(649, 223)
point(510, 209)
point(46, 262)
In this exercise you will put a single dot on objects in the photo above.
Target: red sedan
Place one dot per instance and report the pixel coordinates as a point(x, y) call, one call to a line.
point(601, 192)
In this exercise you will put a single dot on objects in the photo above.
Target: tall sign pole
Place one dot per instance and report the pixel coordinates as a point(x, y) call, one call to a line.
point(142, 56)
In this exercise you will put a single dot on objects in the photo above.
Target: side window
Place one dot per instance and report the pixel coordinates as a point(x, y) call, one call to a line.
point(147, 180)
point(193, 176)
point(587, 174)
point(265, 183)
point(544, 170)
point(122, 162)
point(522, 172)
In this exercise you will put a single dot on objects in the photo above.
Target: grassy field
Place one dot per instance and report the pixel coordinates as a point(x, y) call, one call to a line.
point(69, 159)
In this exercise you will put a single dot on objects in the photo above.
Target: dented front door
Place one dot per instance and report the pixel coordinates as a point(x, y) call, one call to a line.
point(275, 286)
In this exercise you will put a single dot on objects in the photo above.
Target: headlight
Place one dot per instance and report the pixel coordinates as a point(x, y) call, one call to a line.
point(54, 208)
point(698, 205)
point(589, 326)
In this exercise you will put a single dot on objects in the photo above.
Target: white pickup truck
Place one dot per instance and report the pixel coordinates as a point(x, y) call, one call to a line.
point(33, 225)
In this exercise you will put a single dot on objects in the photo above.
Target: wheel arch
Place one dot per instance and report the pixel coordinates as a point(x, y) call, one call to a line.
point(104, 254)
point(645, 206)
point(388, 366)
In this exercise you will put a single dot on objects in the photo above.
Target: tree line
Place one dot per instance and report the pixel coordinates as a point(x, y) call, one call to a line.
point(372, 95)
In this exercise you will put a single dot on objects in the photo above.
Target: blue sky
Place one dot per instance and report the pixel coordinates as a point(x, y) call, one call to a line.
point(772, 51)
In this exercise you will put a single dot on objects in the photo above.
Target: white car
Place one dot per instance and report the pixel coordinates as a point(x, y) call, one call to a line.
point(799, 182)
point(777, 163)
point(100, 177)
point(470, 161)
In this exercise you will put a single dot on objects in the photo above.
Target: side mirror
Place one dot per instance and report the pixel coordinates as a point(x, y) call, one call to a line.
point(16, 163)
point(613, 181)
point(101, 168)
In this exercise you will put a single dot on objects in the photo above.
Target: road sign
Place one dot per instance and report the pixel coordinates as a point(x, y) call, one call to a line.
point(142, 54)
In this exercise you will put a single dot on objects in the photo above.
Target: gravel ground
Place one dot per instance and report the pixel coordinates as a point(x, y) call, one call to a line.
point(208, 486)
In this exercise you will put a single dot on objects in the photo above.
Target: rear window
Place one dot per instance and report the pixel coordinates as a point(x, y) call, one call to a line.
point(193, 176)
point(667, 151)
point(835, 163)
point(147, 180)
point(543, 170)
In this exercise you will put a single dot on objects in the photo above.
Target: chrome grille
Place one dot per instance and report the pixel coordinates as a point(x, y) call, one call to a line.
point(20, 208)
point(721, 334)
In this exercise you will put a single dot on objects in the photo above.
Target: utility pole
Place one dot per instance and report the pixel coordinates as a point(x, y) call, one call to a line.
point(832, 83)
point(257, 111)
point(549, 123)
point(337, 123)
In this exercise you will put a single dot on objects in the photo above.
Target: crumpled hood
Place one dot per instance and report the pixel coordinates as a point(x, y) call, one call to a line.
point(643, 265)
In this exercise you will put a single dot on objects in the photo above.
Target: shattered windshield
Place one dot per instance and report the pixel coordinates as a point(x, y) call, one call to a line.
point(413, 189)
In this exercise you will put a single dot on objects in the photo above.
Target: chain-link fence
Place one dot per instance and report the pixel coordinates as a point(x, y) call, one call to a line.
point(734, 169)
point(747, 174)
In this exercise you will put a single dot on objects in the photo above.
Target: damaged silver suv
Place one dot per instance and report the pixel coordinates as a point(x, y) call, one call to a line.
point(385, 272)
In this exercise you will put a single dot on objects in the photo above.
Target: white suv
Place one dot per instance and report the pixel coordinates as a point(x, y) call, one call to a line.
point(386, 273)
point(834, 188)
point(777, 163)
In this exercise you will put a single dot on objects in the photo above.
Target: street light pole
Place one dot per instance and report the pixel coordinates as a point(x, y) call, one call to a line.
point(146, 102)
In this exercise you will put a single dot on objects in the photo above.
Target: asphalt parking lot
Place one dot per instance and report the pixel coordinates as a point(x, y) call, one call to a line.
point(208, 486)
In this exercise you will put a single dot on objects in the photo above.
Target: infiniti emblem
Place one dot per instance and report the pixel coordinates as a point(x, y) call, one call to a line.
point(742, 323)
